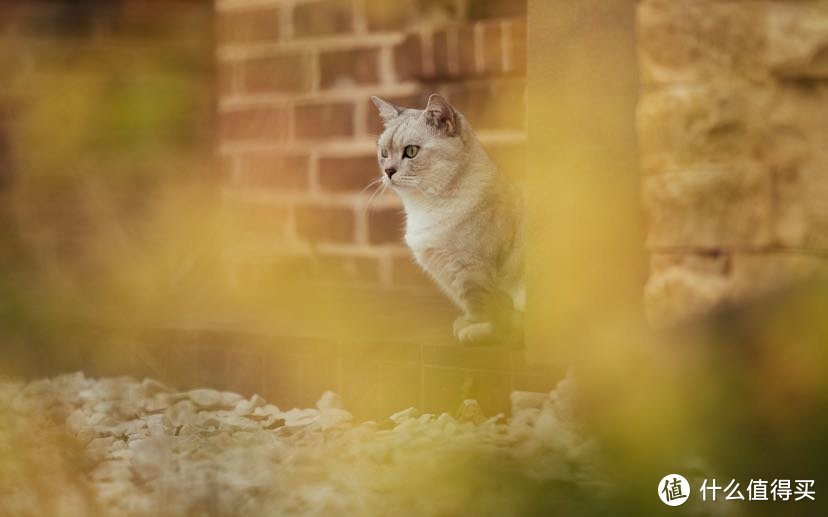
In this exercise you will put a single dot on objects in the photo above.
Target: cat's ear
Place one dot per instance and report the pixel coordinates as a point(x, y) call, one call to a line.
point(441, 115)
point(387, 111)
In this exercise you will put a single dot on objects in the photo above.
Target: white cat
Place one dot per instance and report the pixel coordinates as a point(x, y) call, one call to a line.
point(463, 216)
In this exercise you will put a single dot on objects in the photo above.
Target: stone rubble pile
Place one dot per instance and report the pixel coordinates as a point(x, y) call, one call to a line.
point(120, 446)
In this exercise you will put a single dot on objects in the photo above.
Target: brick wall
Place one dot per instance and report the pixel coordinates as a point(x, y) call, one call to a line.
point(733, 125)
point(298, 130)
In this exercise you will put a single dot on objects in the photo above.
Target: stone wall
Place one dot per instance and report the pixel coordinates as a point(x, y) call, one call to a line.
point(733, 128)
point(298, 130)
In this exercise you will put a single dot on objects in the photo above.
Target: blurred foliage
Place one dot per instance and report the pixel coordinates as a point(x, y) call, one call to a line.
point(107, 162)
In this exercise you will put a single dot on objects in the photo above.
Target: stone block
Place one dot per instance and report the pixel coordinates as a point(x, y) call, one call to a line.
point(691, 41)
point(798, 39)
point(709, 207)
point(681, 287)
point(686, 125)
point(798, 156)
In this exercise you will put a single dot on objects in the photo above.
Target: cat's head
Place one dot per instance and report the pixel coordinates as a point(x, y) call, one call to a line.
point(420, 150)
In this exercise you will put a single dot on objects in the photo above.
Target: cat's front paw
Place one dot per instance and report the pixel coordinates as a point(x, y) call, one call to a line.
point(467, 331)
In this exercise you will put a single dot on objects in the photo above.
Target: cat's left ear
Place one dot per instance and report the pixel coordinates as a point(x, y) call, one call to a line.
point(441, 115)
point(387, 111)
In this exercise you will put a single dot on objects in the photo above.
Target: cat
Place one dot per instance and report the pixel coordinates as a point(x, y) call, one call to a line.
point(463, 216)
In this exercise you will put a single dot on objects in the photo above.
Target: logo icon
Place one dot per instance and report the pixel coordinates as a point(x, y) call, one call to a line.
point(673, 489)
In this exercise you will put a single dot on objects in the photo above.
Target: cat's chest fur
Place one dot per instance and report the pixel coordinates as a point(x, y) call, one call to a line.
point(430, 229)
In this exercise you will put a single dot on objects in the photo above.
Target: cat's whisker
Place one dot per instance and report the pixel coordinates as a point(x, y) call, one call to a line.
point(369, 206)
point(372, 183)
point(372, 207)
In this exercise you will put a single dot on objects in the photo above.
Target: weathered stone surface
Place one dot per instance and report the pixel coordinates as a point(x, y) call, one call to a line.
point(685, 286)
point(798, 39)
point(798, 157)
point(759, 274)
point(684, 126)
point(733, 126)
point(711, 207)
point(692, 41)
point(681, 287)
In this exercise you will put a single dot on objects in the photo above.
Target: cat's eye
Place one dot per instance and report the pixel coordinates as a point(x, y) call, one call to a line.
point(384, 152)
point(411, 151)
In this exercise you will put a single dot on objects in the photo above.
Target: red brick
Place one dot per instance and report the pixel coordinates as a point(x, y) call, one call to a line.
point(385, 15)
point(517, 38)
point(465, 51)
point(248, 25)
point(386, 226)
point(320, 121)
point(282, 73)
point(440, 54)
point(255, 123)
point(374, 123)
point(319, 222)
point(408, 58)
point(343, 173)
point(492, 49)
point(348, 67)
point(224, 165)
point(484, 9)
point(225, 77)
point(323, 17)
point(269, 170)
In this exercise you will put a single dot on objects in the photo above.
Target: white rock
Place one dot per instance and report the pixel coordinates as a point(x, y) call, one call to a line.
point(333, 417)
point(205, 398)
point(470, 411)
point(300, 417)
point(152, 387)
point(329, 400)
point(182, 413)
point(157, 403)
point(521, 400)
point(405, 414)
point(230, 399)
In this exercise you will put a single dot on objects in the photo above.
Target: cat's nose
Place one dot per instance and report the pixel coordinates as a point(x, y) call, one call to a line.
point(390, 171)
